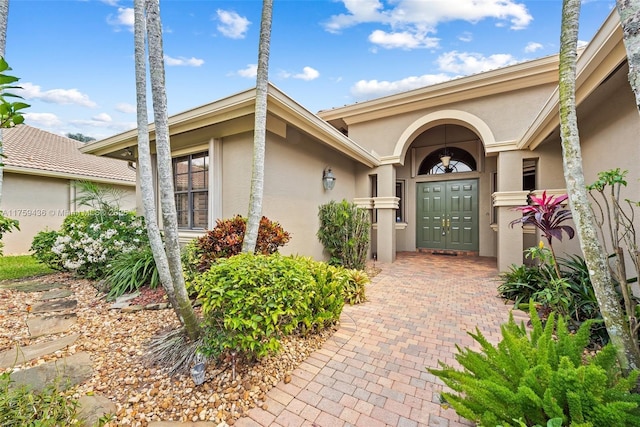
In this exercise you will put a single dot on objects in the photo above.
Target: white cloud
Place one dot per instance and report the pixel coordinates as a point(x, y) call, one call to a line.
point(368, 89)
point(181, 61)
point(402, 40)
point(49, 120)
point(111, 2)
point(102, 117)
point(532, 47)
point(411, 21)
point(87, 125)
point(465, 37)
point(308, 74)
point(124, 107)
point(231, 24)
point(582, 43)
point(465, 63)
point(124, 18)
point(250, 71)
point(55, 96)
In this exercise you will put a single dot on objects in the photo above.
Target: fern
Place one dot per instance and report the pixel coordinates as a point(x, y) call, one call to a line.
point(540, 378)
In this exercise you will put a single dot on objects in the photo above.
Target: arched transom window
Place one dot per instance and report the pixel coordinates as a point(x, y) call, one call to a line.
point(461, 161)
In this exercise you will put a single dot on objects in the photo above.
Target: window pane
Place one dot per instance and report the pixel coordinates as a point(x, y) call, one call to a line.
point(199, 180)
point(200, 209)
point(182, 209)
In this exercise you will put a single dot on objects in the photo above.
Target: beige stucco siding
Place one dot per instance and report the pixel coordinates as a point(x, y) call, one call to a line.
point(41, 203)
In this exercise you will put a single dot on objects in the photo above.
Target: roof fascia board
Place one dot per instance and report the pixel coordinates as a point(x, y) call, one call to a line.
point(505, 79)
point(64, 175)
point(292, 112)
point(602, 55)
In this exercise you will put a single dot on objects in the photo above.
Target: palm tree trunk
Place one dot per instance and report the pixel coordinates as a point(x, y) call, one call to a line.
point(629, 12)
point(627, 353)
point(4, 18)
point(165, 175)
point(260, 131)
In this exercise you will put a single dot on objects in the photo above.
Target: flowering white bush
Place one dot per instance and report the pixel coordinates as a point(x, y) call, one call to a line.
point(88, 241)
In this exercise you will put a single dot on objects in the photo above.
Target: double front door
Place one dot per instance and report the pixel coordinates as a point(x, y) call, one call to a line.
point(448, 215)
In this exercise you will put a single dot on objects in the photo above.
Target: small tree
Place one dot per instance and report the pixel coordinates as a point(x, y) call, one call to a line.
point(547, 214)
point(344, 233)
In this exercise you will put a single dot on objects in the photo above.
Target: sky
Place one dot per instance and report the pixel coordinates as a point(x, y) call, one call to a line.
point(75, 60)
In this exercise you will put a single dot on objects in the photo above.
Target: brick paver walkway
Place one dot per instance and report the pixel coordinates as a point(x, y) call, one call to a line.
point(372, 371)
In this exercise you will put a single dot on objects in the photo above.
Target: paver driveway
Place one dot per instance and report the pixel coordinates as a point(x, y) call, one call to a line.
point(372, 371)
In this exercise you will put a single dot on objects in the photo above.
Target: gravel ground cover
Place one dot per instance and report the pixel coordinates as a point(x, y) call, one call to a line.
point(117, 341)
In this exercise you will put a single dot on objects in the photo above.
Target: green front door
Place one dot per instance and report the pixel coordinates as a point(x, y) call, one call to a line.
point(448, 215)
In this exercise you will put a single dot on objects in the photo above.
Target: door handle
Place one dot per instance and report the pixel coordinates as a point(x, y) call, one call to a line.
point(444, 226)
point(449, 224)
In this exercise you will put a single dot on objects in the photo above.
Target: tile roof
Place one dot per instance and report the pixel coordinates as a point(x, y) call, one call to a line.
point(31, 148)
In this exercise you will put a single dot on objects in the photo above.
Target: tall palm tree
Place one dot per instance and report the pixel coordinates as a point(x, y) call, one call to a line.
point(618, 329)
point(629, 12)
point(4, 18)
point(167, 256)
point(260, 130)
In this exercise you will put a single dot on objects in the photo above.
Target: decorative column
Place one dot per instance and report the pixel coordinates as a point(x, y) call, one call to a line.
point(508, 196)
point(386, 204)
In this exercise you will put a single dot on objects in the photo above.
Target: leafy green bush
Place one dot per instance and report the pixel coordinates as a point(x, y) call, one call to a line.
point(540, 377)
point(250, 301)
point(41, 246)
point(6, 226)
point(22, 407)
point(88, 241)
point(344, 233)
point(225, 240)
point(129, 271)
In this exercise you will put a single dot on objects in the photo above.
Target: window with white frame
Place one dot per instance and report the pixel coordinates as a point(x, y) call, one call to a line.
point(191, 186)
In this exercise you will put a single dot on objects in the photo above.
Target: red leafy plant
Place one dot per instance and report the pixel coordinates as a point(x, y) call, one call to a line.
point(547, 214)
point(225, 240)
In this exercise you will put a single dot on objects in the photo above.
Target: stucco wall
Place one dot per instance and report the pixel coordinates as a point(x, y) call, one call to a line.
point(40, 203)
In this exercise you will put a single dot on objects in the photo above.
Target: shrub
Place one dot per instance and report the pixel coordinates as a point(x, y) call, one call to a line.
point(41, 246)
point(535, 378)
point(225, 240)
point(250, 301)
point(520, 283)
point(20, 406)
point(344, 233)
point(88, 241)
point(6, 226)
point(129, 271)
point(354, 286)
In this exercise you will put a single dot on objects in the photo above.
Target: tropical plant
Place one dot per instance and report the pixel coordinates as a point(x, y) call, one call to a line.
point(520, 283)
point(540, 376)
point(102, 198)
point(130, 271)
point(226, 239)
point(547, 214)
point(250, 301)
point(354, 286)
point(615, 222)
point(344, 233)
point(605, 290)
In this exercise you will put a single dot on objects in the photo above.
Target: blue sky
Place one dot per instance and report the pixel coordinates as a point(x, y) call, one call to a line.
point(75, 58)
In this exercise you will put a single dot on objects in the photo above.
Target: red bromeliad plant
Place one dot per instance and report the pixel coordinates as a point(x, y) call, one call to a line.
point(547, 214)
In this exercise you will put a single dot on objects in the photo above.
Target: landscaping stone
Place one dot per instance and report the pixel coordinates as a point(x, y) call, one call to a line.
point(132, 308)
point(30, 286)
point(55, 294)
point(94, 407)
point(49, 325)
point(55, 305)
point(185, 424)
point(68, 371)
point(17, 356)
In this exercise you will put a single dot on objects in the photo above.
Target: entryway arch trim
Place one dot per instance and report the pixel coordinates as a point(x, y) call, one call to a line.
point(437, 118)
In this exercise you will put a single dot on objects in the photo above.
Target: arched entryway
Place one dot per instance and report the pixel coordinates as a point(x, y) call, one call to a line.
point(447, 189)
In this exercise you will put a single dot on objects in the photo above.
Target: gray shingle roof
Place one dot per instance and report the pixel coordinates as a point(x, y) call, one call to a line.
point(31, 148)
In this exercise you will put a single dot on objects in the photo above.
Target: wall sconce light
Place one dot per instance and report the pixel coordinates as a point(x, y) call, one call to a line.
point(328, 179)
